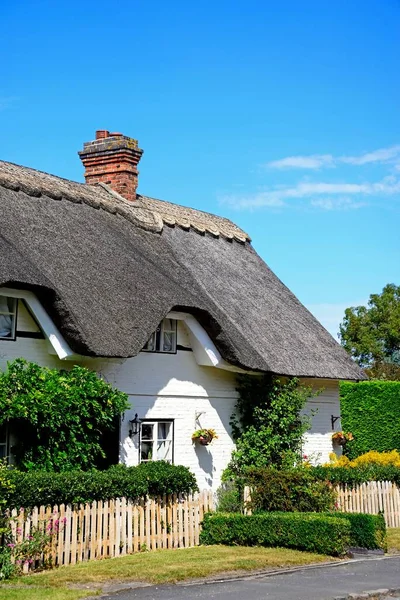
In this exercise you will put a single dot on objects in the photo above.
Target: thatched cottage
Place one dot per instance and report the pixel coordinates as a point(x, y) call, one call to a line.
point(167, 302)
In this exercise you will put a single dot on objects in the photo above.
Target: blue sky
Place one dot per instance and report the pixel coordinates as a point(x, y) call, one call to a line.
point(283, 116)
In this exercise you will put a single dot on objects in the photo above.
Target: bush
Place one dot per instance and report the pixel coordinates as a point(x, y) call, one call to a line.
point(268, 424)
point(385, 459)
point(295, 490)
point(371, 411)
point(60, 417)
point(34, 488)
point(366, 531)
point(357, 475)
point(324, 534)
point(230, 498)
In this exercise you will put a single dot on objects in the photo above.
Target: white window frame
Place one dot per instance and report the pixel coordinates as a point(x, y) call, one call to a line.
point(13, 315)
point(156, 340)
point(156, 439)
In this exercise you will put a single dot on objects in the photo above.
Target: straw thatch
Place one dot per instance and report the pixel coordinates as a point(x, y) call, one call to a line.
point(108, 271)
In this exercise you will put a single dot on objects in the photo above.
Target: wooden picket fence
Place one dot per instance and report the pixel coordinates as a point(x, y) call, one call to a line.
point(114, 528)
point(371, 498)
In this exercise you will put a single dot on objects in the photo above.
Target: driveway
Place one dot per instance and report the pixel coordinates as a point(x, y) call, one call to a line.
point(319, 583)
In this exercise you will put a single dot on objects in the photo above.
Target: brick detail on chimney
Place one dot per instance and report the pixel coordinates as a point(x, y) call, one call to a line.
point(112, 158)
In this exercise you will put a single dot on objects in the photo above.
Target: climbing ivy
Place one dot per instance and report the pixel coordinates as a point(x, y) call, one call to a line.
point(268, 425)
point(58, 417)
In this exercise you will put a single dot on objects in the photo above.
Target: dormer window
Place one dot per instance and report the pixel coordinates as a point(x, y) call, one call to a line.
point(8, 318)
point(164, 338)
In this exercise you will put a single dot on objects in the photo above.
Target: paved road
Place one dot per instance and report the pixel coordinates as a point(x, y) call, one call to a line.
point(321, 583)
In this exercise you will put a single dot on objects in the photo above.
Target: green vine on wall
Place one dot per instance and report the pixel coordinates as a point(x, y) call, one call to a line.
point(57, 417)
point(268, 425)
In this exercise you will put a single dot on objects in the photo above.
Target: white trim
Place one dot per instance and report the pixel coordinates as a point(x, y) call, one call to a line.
point(204, 349)
point(51, 332)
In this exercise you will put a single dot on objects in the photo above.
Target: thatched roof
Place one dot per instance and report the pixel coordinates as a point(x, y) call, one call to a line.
point(108, 271)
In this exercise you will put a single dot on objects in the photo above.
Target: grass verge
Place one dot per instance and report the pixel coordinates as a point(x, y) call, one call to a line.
point(162, 566)
point(393, 539)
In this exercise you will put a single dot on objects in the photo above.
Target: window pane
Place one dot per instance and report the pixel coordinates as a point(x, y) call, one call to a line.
point(169, 335)
point(164, 430)
point(151, 344)
point(7, 305)
point(164, 451)
point(146, 451)
point(147, 431)
point(2, 451)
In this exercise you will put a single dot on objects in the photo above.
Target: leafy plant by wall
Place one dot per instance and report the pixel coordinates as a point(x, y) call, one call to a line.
point(268, 425)
point(59, 417)
point(371, 411)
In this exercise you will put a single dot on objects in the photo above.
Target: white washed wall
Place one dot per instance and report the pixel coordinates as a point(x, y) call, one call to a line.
point(31, 349)
point(163, 386)
point(318, 441)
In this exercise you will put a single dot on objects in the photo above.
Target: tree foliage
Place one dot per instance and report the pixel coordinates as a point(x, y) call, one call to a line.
point(371, 334)
point(59, 417)
point(269, 426)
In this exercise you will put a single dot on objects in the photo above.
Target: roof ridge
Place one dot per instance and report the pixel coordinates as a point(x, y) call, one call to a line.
point(149, 213)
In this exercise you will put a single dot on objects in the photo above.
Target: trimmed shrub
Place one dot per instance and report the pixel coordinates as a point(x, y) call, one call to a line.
point(35, 488)
point(356, 475)
point(371, 411)
point(295, 490)
point(320, 533)
point(366, 531)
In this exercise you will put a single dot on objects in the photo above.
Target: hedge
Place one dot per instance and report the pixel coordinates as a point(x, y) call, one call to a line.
point(371, 411)
point(294, 490)
point(35, 488)
point(321, 533)
point(366, 531)
point(353, 476)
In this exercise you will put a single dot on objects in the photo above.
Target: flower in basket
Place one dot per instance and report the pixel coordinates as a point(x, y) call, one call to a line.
point(204, 436)
point(342, 437)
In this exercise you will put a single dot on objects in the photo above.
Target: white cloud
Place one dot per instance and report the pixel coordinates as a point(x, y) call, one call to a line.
point(317, 161)
point(377, 156)
point(324, 195)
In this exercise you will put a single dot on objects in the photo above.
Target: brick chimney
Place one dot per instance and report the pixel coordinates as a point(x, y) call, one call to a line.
point(112, 158)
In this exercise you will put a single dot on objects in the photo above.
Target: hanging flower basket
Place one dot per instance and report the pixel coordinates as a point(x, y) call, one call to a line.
point(341, 438)
point(204, 436)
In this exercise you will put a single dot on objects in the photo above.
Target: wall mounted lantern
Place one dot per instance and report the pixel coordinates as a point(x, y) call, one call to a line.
point(333, 421)
point(135, 426)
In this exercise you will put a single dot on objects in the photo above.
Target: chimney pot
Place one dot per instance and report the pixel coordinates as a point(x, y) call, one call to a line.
point(113, 161)
point(102, 134)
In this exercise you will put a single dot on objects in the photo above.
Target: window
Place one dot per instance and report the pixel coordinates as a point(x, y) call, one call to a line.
point(3, 441)
point(156, 441)
point(164, 338)
point(8, 318)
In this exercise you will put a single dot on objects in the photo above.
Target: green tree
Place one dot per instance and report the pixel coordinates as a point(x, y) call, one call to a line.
point(269, 426)
point(59, 417)
point(371, 334)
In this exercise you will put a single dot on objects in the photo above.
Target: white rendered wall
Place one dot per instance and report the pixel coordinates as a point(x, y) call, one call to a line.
point(174, 386)
point(163, 386)
point(318, 441)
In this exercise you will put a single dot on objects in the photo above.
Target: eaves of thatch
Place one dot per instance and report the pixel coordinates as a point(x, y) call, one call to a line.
point(108, 270)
